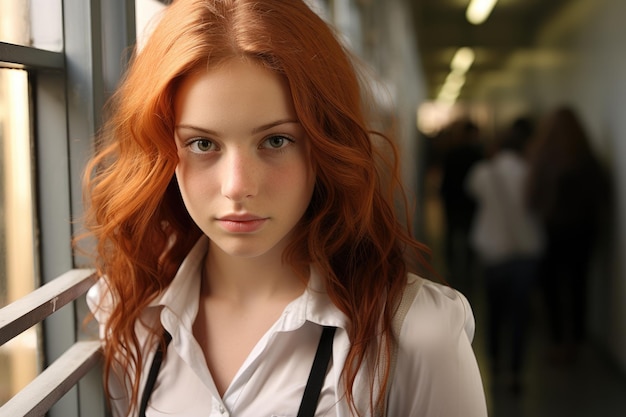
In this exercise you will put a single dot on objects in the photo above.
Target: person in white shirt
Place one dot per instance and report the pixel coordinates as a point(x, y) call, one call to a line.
point(509, 242)
point(252, 263)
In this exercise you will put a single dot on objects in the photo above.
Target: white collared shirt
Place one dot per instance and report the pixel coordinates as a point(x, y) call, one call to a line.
point(436, 372)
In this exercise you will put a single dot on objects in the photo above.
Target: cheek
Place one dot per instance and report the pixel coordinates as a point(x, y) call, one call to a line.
point(192, 183)
point(297, 173)
point(297, 183)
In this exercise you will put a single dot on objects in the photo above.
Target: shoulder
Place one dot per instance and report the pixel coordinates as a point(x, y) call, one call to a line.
point(435, 314)
point(100, 300)
point(436, 372)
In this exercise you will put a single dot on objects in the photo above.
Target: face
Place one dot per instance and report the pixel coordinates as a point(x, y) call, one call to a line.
point(244, 169)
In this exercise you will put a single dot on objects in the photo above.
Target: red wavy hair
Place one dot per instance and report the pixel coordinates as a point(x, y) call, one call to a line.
point(350, 230)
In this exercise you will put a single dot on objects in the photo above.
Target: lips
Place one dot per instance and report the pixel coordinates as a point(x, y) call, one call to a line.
point(236, 223)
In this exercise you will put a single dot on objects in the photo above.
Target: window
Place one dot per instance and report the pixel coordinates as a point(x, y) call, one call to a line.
point(58, 61)
point(19, 357)
point(36, 23)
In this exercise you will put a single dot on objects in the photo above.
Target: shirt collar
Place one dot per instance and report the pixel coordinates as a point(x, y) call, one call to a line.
point(182, 296)
point(317, 306)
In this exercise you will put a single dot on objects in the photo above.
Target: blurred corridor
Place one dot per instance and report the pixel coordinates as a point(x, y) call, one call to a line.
point(529, 59)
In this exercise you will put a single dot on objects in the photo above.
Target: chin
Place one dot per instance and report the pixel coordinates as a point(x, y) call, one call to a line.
point(245, 250)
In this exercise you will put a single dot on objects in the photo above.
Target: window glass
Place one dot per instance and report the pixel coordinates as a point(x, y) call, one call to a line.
point(36, 23)
point(19, 356)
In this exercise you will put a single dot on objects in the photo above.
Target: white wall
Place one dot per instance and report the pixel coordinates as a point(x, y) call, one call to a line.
point(390, 48)
point(381, 34)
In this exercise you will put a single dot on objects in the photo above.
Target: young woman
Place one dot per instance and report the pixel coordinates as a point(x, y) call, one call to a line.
point(247, 241)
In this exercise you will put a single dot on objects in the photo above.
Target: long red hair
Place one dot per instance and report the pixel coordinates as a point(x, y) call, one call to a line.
point(350, 230)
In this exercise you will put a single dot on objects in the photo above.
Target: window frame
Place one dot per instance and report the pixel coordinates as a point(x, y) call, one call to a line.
point(68, 91)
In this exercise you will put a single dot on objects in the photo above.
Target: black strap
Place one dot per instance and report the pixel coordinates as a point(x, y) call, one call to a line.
point(312, 390)
point(318, 373)
point(154, 372)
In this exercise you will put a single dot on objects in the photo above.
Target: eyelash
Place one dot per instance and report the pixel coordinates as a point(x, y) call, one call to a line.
point(192, 144)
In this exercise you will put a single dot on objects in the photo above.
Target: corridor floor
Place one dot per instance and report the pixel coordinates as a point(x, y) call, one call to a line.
point(590, 386)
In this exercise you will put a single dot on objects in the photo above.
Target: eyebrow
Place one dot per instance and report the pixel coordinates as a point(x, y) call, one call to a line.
point(256, 130)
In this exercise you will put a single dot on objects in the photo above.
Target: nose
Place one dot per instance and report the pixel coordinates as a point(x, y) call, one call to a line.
point(239, 176)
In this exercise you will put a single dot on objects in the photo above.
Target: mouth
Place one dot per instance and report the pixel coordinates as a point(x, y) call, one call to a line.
point(241, 223)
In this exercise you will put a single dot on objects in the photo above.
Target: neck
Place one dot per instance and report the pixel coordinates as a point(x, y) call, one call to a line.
point(245, 280)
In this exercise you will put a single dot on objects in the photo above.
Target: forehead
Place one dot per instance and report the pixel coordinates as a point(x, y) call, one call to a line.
point(238, 85)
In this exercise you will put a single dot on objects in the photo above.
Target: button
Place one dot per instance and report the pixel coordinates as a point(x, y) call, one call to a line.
point(222, 410)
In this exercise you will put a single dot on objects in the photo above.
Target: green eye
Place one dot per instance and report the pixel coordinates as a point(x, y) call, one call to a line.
point(201, 145)
point(277, 142)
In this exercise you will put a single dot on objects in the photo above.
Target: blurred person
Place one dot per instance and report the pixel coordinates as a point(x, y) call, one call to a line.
point(567, 187)
point(462, 150)
point(508, 242)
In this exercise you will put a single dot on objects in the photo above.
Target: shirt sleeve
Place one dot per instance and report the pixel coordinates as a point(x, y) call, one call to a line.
point(99, 303)
point(436, 372)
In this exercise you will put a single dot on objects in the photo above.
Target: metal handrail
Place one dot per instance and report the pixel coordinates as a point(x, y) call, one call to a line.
point(59, 377)
point(39, 304)
point(55, 381)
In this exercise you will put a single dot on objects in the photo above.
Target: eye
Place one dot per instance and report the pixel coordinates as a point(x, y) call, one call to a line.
point(276, 142)
point(201, 145)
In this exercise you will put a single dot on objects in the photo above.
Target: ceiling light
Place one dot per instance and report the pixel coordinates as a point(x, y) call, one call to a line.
point(462, 59)
point(454, 81)
point(478, 10)
point(447, 97)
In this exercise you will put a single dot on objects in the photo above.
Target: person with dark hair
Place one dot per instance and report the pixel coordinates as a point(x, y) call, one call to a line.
point(462, 150)
point(251, 259)
point(567, 189)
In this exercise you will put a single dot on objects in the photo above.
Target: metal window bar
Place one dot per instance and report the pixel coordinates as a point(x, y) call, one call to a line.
point(18, 56)
point(60, 376)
